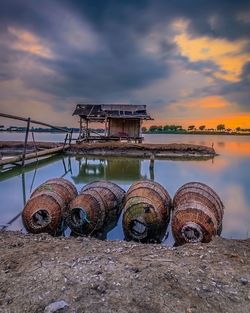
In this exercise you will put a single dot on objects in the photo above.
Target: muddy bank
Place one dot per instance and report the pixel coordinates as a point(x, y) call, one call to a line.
point(116, 149)
point(116, 276)
point(143, 150)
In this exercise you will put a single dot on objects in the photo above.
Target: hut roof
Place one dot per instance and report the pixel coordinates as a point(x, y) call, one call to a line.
point(101, 111)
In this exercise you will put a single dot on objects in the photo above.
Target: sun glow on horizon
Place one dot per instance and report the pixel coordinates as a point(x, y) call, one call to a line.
point(209, 111)
point(230, 121)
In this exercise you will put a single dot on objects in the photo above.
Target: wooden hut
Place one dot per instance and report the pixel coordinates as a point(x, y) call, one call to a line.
point(122, 121)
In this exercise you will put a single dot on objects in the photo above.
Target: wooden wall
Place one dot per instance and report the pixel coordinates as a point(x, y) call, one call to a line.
point(124, 127)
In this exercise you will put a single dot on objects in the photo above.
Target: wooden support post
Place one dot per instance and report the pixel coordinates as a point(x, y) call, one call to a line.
point(151, 166)
point(87, 130)
point(24, 188)
point(26, 140)
point(70, 136)
point(140, 132)
point(65, 140)
point(80, 130)
point(106, 127)
point(34, 143)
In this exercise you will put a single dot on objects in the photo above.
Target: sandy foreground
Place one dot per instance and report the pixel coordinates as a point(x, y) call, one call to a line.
point(39, 273)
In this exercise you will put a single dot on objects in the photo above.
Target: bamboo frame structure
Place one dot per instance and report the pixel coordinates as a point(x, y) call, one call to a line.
point(33, 155)
point(25, 156)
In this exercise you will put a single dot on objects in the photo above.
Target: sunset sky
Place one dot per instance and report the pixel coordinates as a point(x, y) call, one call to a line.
point(189, 61)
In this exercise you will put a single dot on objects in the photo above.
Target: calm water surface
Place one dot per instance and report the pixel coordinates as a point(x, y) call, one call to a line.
point(228, 174)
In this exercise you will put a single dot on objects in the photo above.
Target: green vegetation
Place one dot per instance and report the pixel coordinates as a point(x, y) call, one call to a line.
point(192, 129)
point(220, 127)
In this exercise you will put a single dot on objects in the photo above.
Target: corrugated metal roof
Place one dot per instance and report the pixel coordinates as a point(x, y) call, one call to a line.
point(101, 111)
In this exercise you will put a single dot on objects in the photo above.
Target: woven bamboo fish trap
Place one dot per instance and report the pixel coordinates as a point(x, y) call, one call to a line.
point(197, 215)
point(61, 186)
point(112, 196)
point(95, 208)
point(44, 210)
point(146, 212)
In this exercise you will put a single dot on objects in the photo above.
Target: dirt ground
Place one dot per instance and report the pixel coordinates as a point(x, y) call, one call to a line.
point(89, 275)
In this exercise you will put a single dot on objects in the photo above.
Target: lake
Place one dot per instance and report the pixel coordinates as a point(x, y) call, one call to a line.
point(228, 174)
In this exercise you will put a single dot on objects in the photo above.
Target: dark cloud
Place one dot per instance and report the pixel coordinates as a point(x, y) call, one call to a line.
point(119, 64)
point(239, 92)
point(212, 18)
point(100, 76)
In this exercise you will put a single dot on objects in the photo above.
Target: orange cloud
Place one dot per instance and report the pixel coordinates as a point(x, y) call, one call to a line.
point(210, 102)
point(228, 56)
point(199, 108)
point(28, 42)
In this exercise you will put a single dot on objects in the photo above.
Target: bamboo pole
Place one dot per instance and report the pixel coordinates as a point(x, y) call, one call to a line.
point(80, 130)
point(33, 121)
point(26, 140)
point(34, 165)
point(34, 155)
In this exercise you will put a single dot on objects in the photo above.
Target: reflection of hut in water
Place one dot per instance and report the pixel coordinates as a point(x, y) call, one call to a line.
point(89, 170)
point(114, 168)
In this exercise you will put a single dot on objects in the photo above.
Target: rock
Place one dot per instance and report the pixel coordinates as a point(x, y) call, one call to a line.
point(244, 281)
point(55, 306)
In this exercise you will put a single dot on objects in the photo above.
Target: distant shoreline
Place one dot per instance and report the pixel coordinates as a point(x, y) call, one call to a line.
point(39, 131)
point(197, 133)
point(144, 133)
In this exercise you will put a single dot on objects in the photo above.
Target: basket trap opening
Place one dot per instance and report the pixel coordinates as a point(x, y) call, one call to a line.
point(41, 218)
point(79, 217)
point(138, 228)
point(192, 232)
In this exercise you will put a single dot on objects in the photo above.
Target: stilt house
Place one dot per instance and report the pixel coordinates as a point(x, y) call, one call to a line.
point(122, 121)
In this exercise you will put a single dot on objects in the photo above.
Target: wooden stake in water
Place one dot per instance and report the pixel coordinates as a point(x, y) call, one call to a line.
point(26, 140)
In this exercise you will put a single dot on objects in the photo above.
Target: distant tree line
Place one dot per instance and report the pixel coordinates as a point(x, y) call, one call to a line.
point(191, 128)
